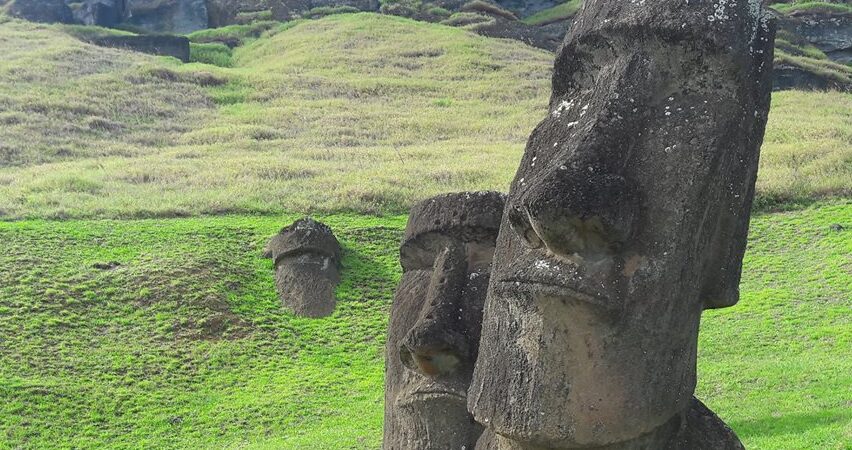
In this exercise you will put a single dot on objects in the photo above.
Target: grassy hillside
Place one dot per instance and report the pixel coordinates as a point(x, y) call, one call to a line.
point(562, 11)
point(362, 113)
point(168, 334)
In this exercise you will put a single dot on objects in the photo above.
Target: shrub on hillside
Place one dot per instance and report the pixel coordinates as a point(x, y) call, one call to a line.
point(464, 19)
point(482, 6)
point(233, 35)
point(213, 53)
point(322, 11)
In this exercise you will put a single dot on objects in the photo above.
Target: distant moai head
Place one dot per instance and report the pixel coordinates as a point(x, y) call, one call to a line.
point(435, 320)
point(627, 217)
point(307, 264)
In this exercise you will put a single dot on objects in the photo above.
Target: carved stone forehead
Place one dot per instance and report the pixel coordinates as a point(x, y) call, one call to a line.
point(468, 216)
point(676, 19)
point(304, 236)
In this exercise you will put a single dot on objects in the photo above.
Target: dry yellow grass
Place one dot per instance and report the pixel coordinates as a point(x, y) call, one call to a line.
point(361, 113)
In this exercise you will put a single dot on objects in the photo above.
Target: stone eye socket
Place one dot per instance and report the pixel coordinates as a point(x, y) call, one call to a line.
point(416, 257)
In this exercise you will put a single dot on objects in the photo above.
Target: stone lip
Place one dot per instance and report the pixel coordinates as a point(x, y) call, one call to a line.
point(696, 428)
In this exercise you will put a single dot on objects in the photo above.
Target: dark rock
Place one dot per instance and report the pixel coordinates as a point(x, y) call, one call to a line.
point(363, 5)
point(547, 37)
point(103, 13)
point(831, 33)
point(528, 7)
point(307, 263)
point(162, 45)
point(627, 217)
point(789, 76)
point(106, 265)
point(168, 16)
point(435, 320)
point(48, 11)
point(221, 13)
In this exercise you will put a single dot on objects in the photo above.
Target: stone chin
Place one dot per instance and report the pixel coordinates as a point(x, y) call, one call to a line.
point(434, 417)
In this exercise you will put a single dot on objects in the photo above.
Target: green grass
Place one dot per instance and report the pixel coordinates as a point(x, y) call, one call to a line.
point(182, 344)
point(791, 44)
point(234, 34)
point(831, 70)
point(807, 149)
point(362, 113)
point(168, 334)
point(92, 32)
point(322, 11)
point(812, 7)
point(559, 12)
point(213, 53)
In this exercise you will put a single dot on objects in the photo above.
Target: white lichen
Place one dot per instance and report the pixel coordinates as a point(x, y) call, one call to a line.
point(563, 106)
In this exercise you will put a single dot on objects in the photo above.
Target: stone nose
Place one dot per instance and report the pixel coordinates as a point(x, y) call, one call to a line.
point(575, 214)
point(437, 345)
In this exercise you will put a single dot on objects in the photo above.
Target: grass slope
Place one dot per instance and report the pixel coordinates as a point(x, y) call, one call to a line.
point(168, 334)
point(562, 11)
point(362, 113)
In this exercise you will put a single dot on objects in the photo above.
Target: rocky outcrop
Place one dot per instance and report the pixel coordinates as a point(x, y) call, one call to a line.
point(362, 5)
point(161, 45)
point(168, 16)
point(789, 76)
point(528, 7)
point(48, 11)
point(221, 13)
point(831, 33)
point(547, 37)
point(103, 13)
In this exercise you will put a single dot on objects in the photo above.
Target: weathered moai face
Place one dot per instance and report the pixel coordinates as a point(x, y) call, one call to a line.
point(435, 321)
point(627, 217)
point(307, 263)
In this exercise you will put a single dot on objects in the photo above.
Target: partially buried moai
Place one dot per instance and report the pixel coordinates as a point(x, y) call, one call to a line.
point(306, 256)
point(627, 218)
point(435, 320)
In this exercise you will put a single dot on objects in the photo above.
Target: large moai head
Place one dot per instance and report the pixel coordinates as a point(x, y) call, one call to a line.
point(307, 265)
point(627, 217)
point(435, 321)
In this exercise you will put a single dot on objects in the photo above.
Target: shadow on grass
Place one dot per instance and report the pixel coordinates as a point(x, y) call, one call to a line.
point(790, 423)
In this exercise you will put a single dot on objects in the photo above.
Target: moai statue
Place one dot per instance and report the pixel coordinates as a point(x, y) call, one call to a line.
point(307, 264)
point(435, 320)
point(627, 217)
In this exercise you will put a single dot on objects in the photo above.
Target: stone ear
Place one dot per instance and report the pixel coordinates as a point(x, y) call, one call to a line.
point(723, 266)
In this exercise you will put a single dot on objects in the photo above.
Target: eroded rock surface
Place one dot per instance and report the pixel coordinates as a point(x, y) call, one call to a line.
point(435, 320)
point(162, 45)
point(831, 33)
point(103, 13)
point(627, 217)
point(307, 263)
point(48, 11)
point(168, 16)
